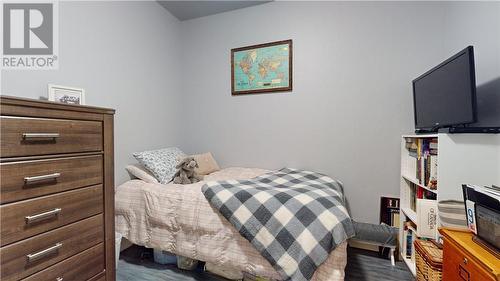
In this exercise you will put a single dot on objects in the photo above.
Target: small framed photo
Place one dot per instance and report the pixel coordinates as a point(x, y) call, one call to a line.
point(64, 94)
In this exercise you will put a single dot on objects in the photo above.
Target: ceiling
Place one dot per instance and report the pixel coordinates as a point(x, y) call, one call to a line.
point(185, 10)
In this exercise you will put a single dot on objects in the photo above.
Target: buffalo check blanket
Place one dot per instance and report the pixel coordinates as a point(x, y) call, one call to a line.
point(294, 218)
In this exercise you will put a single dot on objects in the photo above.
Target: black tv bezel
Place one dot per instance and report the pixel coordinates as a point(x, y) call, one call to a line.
point(470, 52)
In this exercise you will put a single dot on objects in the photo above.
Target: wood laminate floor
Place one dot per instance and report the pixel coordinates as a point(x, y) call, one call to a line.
point(136, 264)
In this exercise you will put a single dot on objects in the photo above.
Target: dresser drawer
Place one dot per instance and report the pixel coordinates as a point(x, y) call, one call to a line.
point(36, 136)
point(98, 277)
point(79, 267)
point(458, 266)
point(21, 259)
point(28, 179)
point(30, 217)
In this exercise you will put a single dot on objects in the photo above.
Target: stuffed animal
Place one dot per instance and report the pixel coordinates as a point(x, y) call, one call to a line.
point(186, 173)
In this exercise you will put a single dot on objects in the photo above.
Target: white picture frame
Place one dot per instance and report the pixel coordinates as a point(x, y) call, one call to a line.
point(65, 94)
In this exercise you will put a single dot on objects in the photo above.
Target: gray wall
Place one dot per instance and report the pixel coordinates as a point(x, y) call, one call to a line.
point(353, 63)
point(126, 56)
point(353, 66)
point(478, 24)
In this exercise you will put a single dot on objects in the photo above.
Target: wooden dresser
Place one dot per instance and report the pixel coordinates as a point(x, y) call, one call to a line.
point(464, 259)
point(56, 192)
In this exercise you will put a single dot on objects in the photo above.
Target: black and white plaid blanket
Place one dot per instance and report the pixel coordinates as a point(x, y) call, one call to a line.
point(294, 218)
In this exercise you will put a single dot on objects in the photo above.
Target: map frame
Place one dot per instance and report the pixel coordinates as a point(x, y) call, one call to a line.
point(263, 90)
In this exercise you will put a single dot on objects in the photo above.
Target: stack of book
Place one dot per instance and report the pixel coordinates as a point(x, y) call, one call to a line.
point(424, 151)
point(389, 211)
point(389, 214)
point(411, 145)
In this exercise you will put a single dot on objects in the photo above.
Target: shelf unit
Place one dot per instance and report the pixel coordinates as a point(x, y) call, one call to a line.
point(461, 158)
point(411, 265)
point(415, 182)
point(410, 214)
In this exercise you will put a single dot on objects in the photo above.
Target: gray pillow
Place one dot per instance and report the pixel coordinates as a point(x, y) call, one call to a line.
point(161, 163)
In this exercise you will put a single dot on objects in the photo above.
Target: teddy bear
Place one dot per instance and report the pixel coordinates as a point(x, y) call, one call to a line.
point(186, 173)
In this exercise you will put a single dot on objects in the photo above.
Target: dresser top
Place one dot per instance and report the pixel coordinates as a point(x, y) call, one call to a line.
point(463, 239)
point(53, 105)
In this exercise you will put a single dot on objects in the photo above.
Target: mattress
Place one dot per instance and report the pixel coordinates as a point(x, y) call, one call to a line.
point(178, 219)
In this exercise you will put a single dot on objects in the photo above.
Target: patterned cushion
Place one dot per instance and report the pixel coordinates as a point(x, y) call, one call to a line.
point(161, 163)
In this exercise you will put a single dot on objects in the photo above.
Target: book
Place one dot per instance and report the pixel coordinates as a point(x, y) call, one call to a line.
point(425, 147)
point(395, 219)
point(409, 243)
point(427, 169)
point(409, 143)
point(419, 148)
point(422, 170)
point(433, 168)
point(413, 197)
point(427, 218)
point(409, 236)
point(420, 192)
point(418, 171)
point(392, 203)
point(433, 144)
point(413, 238)
point(429, 195)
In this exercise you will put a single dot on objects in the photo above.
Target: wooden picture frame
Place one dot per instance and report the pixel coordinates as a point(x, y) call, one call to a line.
point(252, 66)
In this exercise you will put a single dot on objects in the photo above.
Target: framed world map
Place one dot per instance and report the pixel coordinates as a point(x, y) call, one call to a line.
point(262, 68)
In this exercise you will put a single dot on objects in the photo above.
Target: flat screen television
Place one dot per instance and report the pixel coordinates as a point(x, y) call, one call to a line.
point(445, 96)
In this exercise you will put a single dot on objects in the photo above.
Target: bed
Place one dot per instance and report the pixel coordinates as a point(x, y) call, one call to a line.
point(179, 219)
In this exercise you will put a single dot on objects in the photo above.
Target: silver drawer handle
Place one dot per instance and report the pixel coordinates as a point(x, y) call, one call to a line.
point(42, 216)
point(59, 279)
point(43, 253)
point(41, 178)
point(40, 135)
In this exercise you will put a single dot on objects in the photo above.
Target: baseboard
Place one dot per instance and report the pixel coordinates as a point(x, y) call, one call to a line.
point(364, 246)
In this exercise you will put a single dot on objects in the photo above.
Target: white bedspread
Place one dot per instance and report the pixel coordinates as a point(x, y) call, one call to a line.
point(178, 219)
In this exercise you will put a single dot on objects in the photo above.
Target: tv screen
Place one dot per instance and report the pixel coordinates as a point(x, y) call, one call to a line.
point(446, 95)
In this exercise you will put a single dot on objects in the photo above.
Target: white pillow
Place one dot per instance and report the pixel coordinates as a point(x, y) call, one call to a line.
point(161, 163)
point(138, 171)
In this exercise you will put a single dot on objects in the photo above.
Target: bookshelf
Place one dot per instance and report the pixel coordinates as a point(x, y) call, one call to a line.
point(451, 160)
